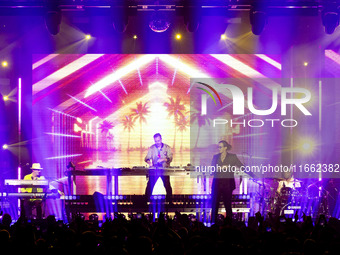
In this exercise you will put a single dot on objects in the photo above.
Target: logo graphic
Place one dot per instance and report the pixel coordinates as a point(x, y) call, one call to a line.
point(238, 99)
point(213, 90)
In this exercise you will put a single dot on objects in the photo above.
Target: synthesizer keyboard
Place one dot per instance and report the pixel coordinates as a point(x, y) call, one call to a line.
point(30, 195)
point(26, 183)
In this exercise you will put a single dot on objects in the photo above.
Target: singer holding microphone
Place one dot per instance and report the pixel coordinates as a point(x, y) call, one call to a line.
point(36, 204)
point(159, 156)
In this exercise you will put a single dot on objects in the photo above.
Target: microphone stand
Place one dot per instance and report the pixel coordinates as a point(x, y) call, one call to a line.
point(263, 200)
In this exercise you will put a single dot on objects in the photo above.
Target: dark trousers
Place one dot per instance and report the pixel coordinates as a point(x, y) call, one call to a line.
point(151, 183)
point(220, 191)
point(32, 209)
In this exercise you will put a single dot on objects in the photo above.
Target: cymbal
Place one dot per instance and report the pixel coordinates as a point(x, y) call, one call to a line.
point(287, 180)
point(317, 183)
point(279, 179)
point(261, 183)
point(296, 180)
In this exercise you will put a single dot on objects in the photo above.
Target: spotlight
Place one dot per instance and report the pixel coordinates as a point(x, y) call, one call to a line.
point(88, 37)
point(178, 36)
point(192, 16)
point(223, 37)
point(5, 98)
point(120, 17)
point(53, 17)
point(258, 20)
point(4, 63)
point(305, 63)
point(159, 22)
point(306, 146)
point(135, 37)
point(330, 20)
point(5, 147)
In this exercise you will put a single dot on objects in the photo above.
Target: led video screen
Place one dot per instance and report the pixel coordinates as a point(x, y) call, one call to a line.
point(102, 110)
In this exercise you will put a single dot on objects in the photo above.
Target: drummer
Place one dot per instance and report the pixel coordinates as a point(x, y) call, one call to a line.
point(289, 182)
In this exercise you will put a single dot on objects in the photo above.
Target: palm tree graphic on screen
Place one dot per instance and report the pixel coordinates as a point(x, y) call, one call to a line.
point(140, 113)
point(175, 109)
point(129, 124)
point(182, 124)
point(106, 126)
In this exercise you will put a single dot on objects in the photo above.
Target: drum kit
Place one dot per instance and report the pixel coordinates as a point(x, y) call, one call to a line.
point(287, 197)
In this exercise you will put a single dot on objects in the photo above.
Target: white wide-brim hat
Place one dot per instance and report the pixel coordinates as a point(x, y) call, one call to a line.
point(36, 166)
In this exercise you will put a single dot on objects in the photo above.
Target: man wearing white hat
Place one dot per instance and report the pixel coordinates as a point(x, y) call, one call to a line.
point(34, 204)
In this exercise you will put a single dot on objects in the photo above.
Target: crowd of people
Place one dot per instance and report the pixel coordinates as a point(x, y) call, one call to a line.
point(178, 235)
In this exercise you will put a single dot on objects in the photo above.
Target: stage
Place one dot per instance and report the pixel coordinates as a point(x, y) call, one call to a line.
point(86, 85)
